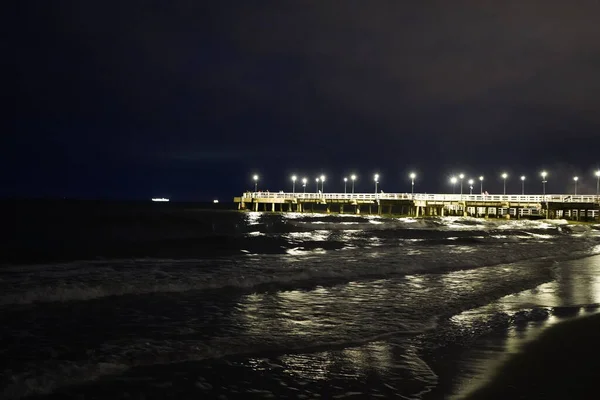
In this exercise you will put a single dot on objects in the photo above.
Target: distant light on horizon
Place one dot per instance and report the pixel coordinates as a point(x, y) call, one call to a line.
point(159, 199)
point(215, 201)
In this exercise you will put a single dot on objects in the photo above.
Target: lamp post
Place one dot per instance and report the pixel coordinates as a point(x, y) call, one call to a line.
point(453, 182)
point(345, 182)
point(376, 178)
point(471, 186)
point(412, 182)
point(317, 185)
point(461, 176)
point(255, 177)
point(597, 184)
point(322, 183)
point(575, 178)
point(522, 185)
point(304, 180)
point(353, 177)
point(544, 175)
point(504, 176)
point(481, 184)
point(293, 183)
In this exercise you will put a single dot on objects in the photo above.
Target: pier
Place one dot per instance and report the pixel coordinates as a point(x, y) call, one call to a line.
point(574, 207)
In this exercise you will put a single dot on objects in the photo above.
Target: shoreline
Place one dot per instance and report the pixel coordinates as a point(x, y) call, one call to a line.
point(561, 363)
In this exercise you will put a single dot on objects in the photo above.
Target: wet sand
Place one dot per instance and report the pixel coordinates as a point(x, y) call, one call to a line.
point(545, 349)
point(563, 363)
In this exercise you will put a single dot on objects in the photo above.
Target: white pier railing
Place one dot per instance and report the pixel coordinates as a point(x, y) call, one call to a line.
point(558, 198)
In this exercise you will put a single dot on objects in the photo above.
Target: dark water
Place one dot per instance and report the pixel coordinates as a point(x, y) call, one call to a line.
point(171, 301)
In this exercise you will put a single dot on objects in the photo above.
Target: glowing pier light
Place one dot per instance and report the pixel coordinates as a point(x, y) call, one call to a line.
point(471, 181)
point(376, 179)
point(255, 178)
point(461, 177)
point(160, 199)
point(544, 175)
point(504, 176)
point(412, 182)
point(575, 179)
point(353, 178)
point(323, 183)
point(522, 184)
point(481, 184)
point(304, 180)
point(345, 184)
point(453, 181)
point(293, 183)
point(597, 183)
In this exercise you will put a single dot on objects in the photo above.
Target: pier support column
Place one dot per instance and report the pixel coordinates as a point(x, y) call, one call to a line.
point(370, 209)
point(341, 208)
point(328, 208)
point(379, 209)
point(441, 211)
point(390, 209)
point(417, 211)
point(255, 206)
point(357, 209)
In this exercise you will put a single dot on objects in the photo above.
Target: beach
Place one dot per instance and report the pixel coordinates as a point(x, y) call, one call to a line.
point(563, 363)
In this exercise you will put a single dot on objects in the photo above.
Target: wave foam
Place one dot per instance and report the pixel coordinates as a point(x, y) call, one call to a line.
point(259, 272)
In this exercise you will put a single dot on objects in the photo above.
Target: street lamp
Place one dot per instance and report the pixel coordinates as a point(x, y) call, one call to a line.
point(376, 178)
point(522, 185)
point(322, 183)
point(481, 184)
point(317, 187)
point(461, 176)
point(453, 182)
point(544, 175)
point(597, 184)
point(412, 182)
point(345, 182)
point(504, 176)
point(575, 178)
point(255, 177)
point(293, 183)
point(304, 180)
point(471, 186)
point(353, 177)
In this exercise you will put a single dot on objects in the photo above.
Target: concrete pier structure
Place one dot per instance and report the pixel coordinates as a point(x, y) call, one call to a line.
point(418, 204)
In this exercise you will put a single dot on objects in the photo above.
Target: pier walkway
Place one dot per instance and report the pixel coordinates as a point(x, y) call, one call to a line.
point(424, 204)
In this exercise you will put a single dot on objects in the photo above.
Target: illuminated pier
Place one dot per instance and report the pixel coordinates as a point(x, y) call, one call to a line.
point(417, 204)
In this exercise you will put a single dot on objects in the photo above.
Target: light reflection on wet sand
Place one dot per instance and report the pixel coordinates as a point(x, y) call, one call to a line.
point(575, 292)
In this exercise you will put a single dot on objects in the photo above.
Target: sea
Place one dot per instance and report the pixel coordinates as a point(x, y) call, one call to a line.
point(107, 300)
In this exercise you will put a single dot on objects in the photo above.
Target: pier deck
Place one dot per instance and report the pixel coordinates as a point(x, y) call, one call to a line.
point(550, 206)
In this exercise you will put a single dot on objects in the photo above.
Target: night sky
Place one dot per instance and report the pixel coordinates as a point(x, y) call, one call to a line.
point(188, 99)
